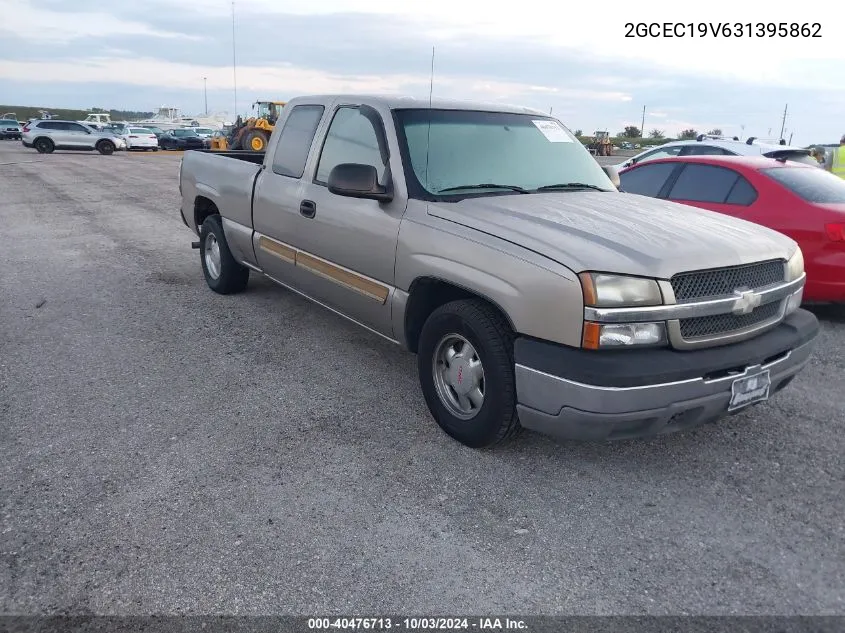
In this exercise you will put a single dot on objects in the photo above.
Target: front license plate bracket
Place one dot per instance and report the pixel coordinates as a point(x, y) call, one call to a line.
point(750, 390)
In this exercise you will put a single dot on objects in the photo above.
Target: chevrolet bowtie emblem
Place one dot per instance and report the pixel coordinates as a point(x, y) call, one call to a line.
point(746, 301)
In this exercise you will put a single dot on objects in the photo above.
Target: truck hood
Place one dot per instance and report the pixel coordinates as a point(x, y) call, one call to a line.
point(618, 232)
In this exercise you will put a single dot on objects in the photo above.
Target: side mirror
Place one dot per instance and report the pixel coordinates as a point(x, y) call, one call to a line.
point(611, 172)
point(354, 180)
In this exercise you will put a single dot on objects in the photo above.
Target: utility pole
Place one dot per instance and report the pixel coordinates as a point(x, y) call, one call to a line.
point(642, 125)
point(205, 93)
point(783, 123)
point(234, 61)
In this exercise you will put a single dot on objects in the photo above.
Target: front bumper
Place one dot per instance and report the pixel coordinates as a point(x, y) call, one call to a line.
point(585, 395)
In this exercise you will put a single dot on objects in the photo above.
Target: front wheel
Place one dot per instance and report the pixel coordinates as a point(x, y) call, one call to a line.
point(465, 363)
point(222, 272)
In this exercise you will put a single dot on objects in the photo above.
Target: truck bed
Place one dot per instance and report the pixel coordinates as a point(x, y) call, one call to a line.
point(224, 178)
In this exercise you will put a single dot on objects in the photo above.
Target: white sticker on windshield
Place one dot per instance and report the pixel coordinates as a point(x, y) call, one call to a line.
point(553, 131)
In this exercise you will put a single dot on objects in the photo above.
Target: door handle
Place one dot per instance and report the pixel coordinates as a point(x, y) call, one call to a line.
point(308, 208)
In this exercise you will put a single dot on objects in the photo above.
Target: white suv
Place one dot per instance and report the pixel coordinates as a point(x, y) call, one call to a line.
point(47, 135)
point(721, 146)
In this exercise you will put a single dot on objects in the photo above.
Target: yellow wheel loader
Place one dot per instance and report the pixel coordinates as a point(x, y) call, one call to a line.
point(254, 133)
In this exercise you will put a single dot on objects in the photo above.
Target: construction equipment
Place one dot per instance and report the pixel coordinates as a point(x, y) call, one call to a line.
point(220, 139)
point(601, 145)
point(254, 133)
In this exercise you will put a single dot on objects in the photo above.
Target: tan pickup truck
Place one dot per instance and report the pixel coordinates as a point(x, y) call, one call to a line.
point(489, 242)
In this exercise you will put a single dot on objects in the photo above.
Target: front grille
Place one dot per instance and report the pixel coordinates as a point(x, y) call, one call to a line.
point(701, 285)
point(704, 284)
point(725, 323)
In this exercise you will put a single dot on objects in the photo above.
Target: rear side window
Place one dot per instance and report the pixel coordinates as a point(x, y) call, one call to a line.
point(647, 180)
point(295, 140)
point(743, 193)
point(704, 183)
point(49, 125)
point(811, 184)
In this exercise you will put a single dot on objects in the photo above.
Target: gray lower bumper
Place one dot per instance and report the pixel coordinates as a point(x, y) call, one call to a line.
point(571, 410)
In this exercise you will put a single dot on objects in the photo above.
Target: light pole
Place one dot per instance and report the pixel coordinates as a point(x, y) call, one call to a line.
point(234, 61)
point(642, 125)
point(205, 93)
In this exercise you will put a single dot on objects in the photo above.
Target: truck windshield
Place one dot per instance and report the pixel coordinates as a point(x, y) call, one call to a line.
point(466, 153)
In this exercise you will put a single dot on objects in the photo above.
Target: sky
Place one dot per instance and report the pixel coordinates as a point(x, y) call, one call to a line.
point(572, 59)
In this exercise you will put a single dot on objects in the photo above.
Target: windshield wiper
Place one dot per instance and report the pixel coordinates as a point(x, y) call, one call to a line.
point(563, 186)
point(486, 185)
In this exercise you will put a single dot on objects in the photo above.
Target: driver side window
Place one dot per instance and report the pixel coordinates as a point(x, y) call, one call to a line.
point(663, 152)
point(351, 139)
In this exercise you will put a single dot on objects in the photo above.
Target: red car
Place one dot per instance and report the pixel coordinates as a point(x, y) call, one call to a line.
point(802, 201)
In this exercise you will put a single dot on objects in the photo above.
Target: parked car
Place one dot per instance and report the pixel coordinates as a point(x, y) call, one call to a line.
point(182, 139)
point(706, 145)
point(487, 240)
point(9, 128)
point(47, 135)
point(203, 132)
point(155, 130)
point(801, 201)
point(140, 138)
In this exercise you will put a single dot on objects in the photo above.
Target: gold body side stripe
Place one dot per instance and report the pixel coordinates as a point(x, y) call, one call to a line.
point(341, 276)
point(282, 251)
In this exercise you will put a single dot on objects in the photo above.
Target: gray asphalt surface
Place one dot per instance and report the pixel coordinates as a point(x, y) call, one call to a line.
point(169, 450)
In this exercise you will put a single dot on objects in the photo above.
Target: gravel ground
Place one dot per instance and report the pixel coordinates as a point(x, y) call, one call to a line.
point(169, 450)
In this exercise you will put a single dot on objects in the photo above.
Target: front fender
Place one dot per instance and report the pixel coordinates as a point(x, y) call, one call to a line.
point(539, 297)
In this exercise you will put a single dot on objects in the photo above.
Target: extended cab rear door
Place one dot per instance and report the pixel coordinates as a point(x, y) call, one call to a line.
point(278, 190)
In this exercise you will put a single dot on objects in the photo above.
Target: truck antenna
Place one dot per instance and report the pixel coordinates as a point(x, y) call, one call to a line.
point(430, 93)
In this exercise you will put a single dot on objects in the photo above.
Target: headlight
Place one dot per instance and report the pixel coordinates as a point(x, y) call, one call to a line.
point(610, 335)
point(616, 291)
point(795, 265)
point(794, 270)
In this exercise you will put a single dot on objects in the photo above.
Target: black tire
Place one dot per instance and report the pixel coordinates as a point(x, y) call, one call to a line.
point(489, 333)
point(106, 148)
point(232, 277)
point(254, 139)
point(44, 146)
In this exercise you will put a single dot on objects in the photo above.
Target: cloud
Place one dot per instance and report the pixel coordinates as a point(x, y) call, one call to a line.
point(544, 56)
point(283, 78)
point(27, 20)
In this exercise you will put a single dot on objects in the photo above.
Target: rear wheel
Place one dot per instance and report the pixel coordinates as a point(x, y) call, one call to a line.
point(222, 272)
point(44, 146)
point(465, 362)
point(105, 147)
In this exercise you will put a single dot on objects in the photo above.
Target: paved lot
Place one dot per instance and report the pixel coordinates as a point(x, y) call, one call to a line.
point(166, 449)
